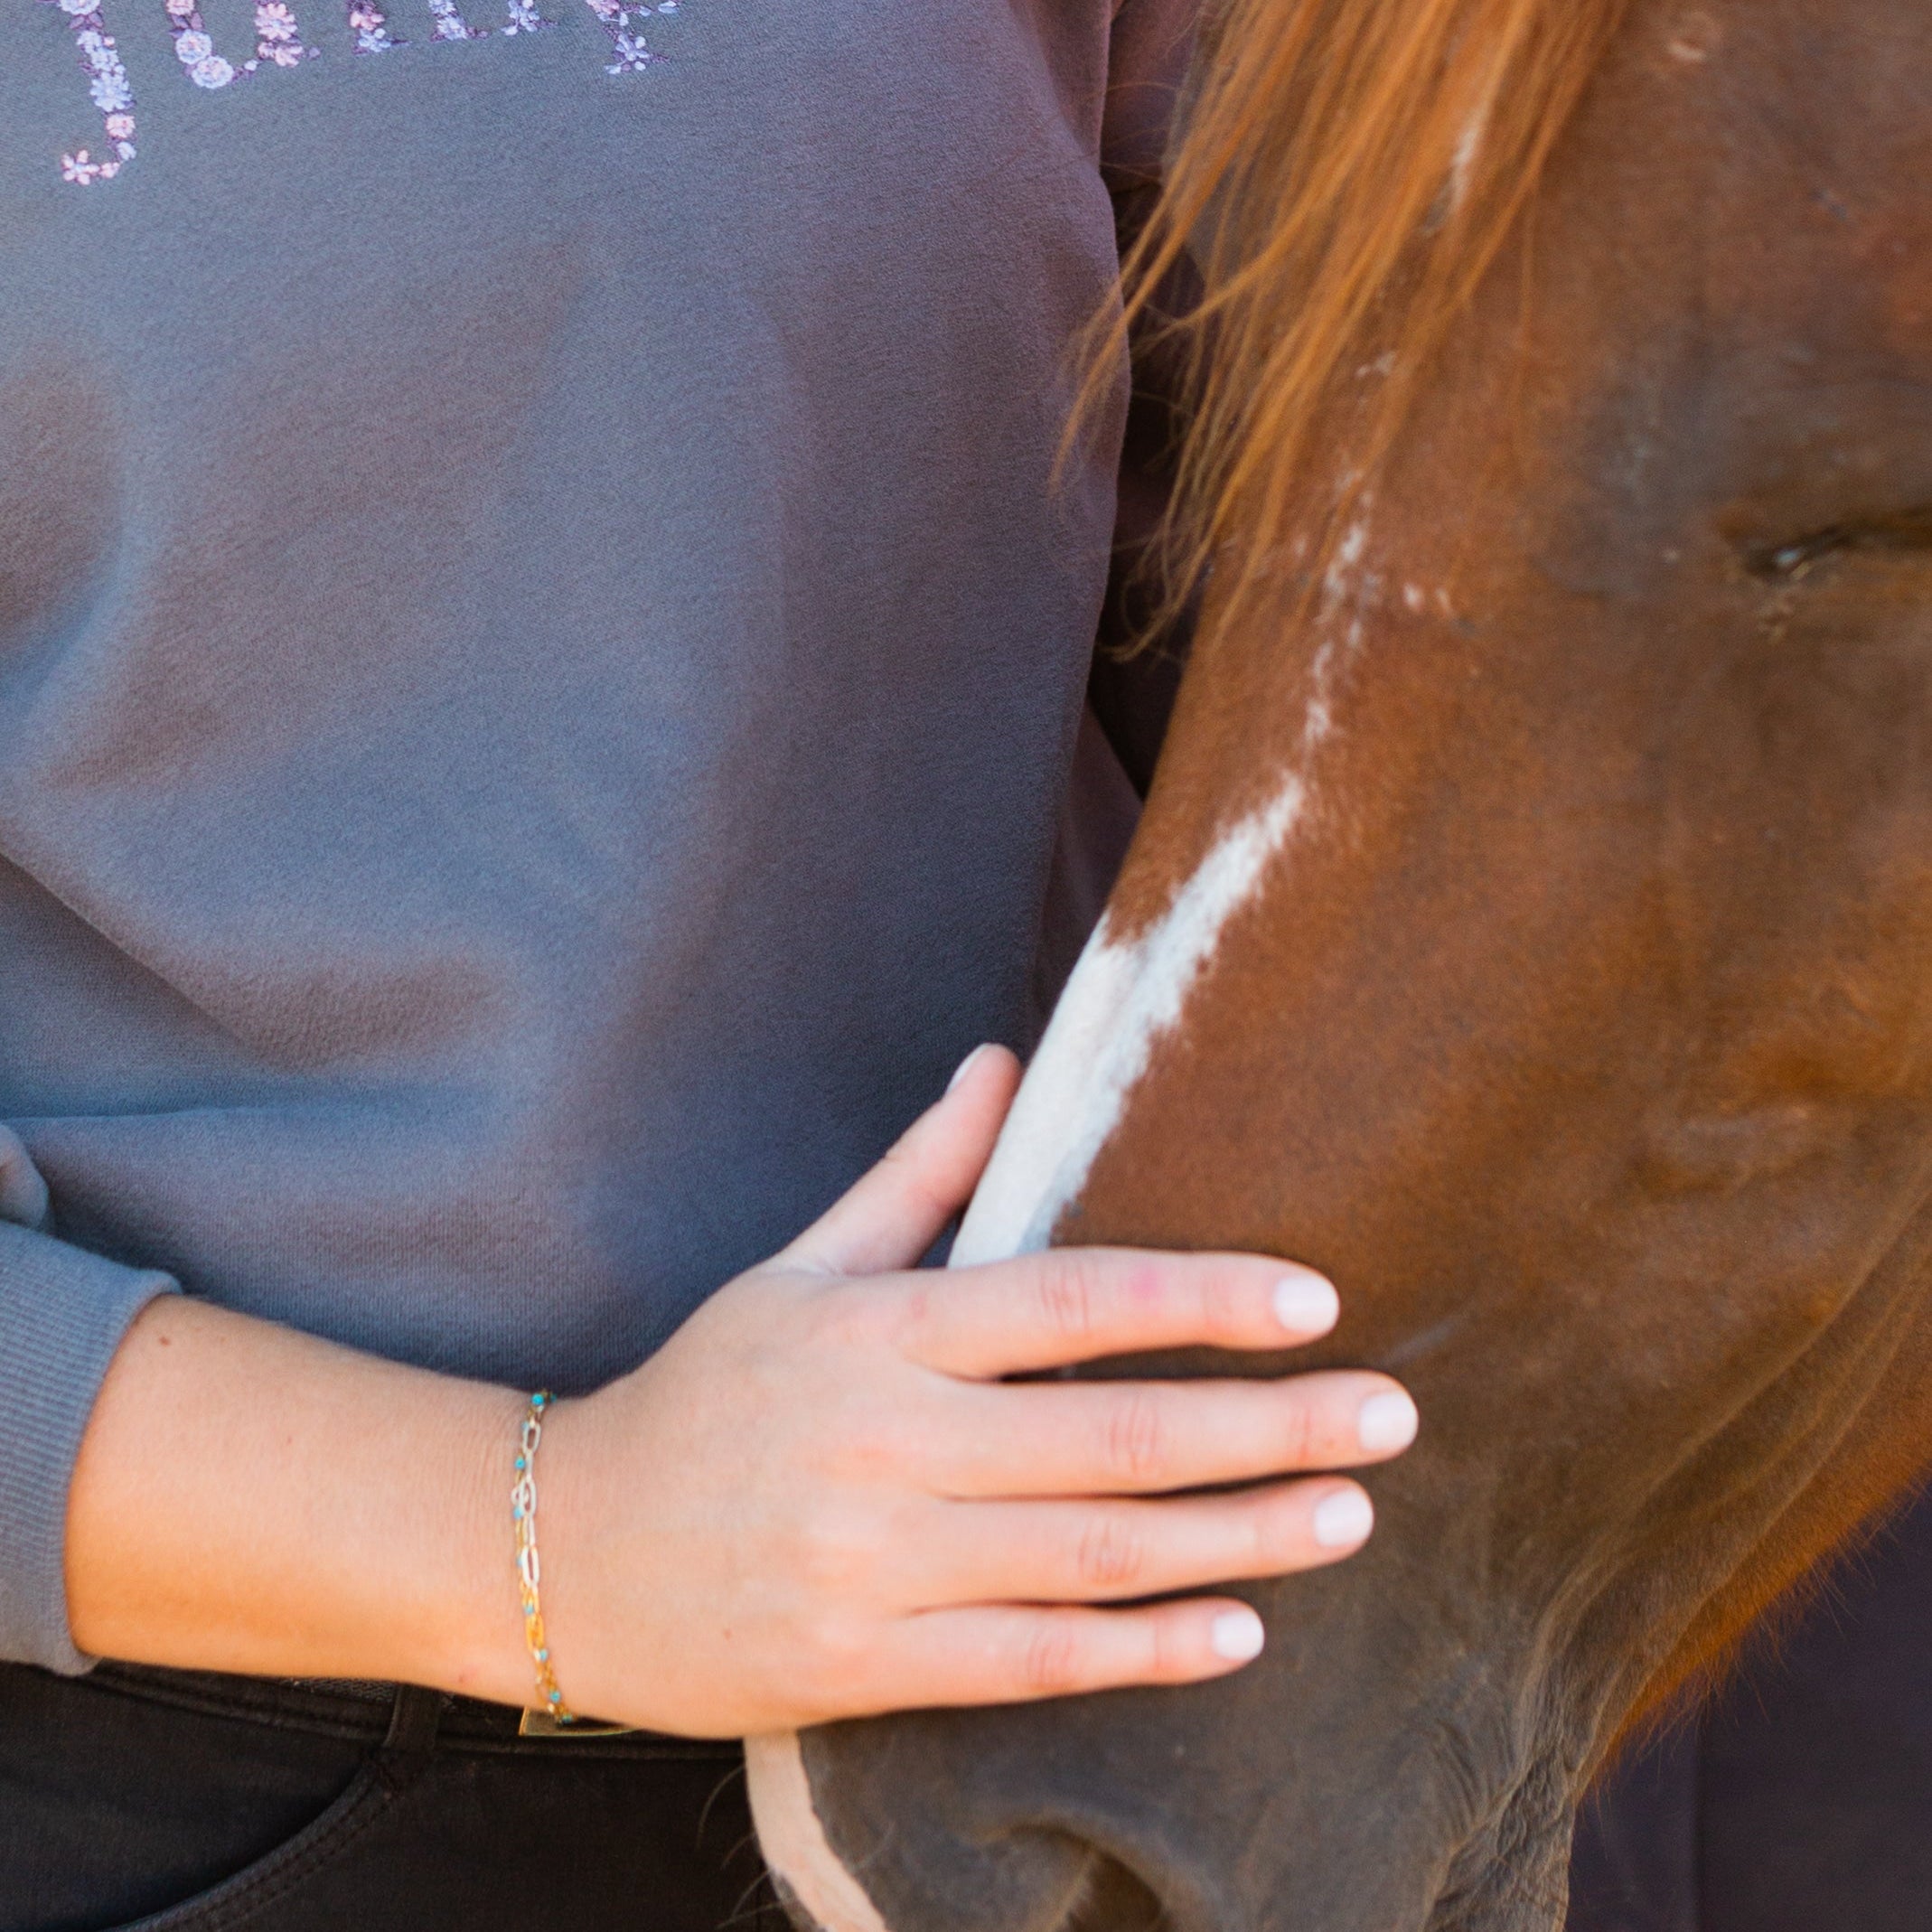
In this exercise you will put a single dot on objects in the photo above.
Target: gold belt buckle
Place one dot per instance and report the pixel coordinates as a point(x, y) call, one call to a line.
point(541, 1724)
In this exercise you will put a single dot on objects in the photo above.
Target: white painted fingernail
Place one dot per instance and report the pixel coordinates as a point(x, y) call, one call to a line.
point(1344, 1518)
point(1304, 1303)
point(1386, 1422)
point(1237, 1637)
point(963, 1068)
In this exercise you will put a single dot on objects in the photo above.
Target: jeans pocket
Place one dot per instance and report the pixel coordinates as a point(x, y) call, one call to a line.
point(238, 1899)
point(168, 1799)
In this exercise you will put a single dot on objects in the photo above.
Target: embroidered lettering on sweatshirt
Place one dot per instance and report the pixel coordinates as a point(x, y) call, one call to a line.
point(278, 44)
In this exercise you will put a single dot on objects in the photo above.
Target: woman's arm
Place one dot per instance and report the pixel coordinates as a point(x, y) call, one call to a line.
point(250, 1498)
point(819, 1499)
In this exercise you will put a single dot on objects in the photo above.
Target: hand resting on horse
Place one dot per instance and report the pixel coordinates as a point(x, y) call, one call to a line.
point(821, 1499)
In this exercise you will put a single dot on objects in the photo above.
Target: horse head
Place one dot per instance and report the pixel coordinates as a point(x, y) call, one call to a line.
point(1530, 927)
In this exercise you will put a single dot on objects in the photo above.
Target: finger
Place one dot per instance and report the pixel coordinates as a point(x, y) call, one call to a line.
point(1018, 1653)
point(1074, 1305)
point(1141, 1438)
point(891, 1216)
point(1108, 1551)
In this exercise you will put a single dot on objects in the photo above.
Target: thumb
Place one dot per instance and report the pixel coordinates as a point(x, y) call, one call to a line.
point(892, 1215)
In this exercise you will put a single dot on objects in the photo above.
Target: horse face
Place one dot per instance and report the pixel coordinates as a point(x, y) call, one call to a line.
point(1534, 932)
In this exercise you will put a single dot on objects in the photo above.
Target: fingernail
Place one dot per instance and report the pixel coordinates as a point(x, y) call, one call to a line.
point(1344, 1518)
point(1304, 1303)
point(1237, 1637)
point(1386, 1421)
point(961, 1070)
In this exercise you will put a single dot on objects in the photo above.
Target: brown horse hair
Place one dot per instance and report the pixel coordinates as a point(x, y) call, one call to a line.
point(1350, 171)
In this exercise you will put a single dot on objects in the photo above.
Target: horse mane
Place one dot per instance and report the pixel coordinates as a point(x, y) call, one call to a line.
point(1349, 172)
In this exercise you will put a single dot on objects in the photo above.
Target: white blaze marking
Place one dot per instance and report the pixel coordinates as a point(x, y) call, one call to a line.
point(1468, 147)
point(793, 1842)
point(1339, 577)
point(1124, 997)
point(1121, 1002)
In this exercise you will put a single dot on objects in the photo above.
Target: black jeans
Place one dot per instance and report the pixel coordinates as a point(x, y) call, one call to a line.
point(179, 1803)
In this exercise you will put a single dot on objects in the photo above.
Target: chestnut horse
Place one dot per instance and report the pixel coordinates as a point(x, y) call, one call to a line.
point(1532, 925)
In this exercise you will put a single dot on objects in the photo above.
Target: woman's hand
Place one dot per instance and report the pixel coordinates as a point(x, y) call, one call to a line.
point(821, 1500)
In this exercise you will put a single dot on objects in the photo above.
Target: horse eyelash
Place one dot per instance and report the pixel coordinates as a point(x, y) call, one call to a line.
point(1790, 559)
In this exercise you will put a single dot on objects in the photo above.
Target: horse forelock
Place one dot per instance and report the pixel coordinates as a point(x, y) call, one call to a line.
point(1347, 177)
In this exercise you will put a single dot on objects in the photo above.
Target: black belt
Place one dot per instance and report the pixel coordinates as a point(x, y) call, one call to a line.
point(400, 1716)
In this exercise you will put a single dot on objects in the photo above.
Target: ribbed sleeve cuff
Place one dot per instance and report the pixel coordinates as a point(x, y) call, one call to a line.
point(62, 1314)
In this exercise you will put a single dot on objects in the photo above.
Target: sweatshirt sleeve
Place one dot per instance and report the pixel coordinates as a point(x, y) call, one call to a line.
point(62, 1314)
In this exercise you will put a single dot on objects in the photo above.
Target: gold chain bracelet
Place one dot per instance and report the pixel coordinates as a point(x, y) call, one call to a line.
point(530, 1573)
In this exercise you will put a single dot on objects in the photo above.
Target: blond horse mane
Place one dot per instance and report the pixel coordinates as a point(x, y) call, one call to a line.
point(1349, 172)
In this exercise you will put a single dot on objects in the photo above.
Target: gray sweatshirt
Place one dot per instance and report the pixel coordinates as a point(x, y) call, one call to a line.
point(539, 644)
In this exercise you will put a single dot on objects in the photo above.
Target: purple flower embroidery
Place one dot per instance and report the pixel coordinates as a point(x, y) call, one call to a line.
point(108, 89)
point(450, 24)
point(627, 43)
point(632, 55)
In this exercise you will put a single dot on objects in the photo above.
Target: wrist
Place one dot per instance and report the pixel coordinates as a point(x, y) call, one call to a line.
point(347, 1516)
point(567, 1509)
point(459, 1625)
